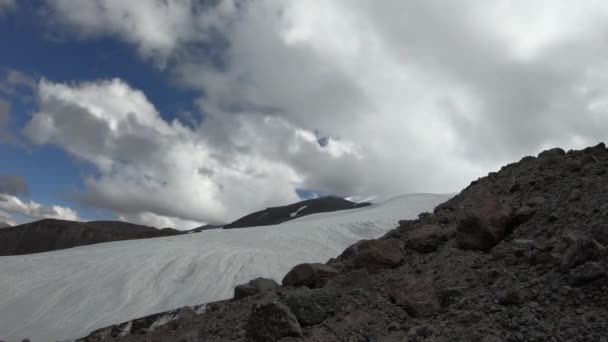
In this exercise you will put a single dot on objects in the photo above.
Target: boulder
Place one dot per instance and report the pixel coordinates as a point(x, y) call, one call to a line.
point(416, 295)
point(581, 250)
point(552, 153)
point(427, 238)
point(254, 287)
point(376, 256)
point(310, 306)
point(484, 227)
point(271, 321)
point(310, 275)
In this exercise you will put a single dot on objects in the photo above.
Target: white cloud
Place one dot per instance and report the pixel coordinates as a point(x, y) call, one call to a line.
point(156, 27)
point(414, 95)
point(160, 173)
point(10, 205)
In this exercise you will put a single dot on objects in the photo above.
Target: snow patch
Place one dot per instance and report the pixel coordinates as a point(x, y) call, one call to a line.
point(295, 213)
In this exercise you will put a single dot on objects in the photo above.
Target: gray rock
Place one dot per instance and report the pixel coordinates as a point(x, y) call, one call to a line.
point(357, 279)
point(271, 321)
point(415, 295)
point(587, 273)
point(254, 287)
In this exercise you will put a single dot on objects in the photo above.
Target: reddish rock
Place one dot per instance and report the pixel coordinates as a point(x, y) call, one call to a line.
point(376, 256)
point(310, 275)
point(415, 295)
point(483, 227)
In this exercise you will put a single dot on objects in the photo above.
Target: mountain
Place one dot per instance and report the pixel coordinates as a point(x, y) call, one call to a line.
point(519, 255)
point(205, 227)
point(276, 215)
point(49, 235)
point(4, 225)
point(68, 293)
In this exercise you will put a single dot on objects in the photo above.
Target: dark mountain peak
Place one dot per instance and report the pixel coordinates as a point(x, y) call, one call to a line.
point(52, 234)
point(276, 215)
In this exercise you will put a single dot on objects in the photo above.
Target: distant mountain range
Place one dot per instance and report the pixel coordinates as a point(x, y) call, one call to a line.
point(49, 235)
point(4, 225)
point(277, 215)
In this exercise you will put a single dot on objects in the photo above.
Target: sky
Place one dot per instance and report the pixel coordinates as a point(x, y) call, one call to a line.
point(178, 113)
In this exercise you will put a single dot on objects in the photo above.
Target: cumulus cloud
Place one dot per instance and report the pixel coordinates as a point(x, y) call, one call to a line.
point(10, 205)
point(165, 173)
point(411, 95)
point(156, 27)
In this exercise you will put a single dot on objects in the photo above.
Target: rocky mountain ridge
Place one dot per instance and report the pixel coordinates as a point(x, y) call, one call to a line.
point(519, 255)
point(50, 234)
point(277, 215)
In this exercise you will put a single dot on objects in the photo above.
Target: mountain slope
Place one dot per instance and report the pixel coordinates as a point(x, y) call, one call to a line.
point(519, 255)
point(49, 235)
point(68, 293)
point(4, 225)
point(277, 215)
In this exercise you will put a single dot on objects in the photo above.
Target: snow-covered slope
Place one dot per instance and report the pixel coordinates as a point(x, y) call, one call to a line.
point(65, 294)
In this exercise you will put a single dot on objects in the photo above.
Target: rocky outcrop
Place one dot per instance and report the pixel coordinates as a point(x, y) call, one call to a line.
point(50, 235)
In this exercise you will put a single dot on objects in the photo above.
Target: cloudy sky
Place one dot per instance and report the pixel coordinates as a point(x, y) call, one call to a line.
point(183, 112)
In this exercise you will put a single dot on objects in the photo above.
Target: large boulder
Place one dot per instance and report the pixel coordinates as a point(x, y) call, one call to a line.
point(310, 275)
point(254, 287)
point(483, 227)
point(377, 255)
point(416, 295)
point(271, 321)
point(427, 238)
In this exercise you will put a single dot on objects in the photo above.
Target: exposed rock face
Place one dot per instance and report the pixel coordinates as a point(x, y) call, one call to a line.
point(278, 215)
point(498, 262)
point(310, 275)
point(49, 235)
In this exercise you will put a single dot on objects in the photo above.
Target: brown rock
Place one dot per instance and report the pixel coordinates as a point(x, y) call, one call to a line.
point(310, 275)
point(376, 256)
point(415, 295)
point(484, 227)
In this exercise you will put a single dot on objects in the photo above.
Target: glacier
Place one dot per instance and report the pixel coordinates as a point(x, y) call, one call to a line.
point(65, 294)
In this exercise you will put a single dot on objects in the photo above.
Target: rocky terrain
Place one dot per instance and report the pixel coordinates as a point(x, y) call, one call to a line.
point(49, 235)
point(276, 215)
point(519, 255)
